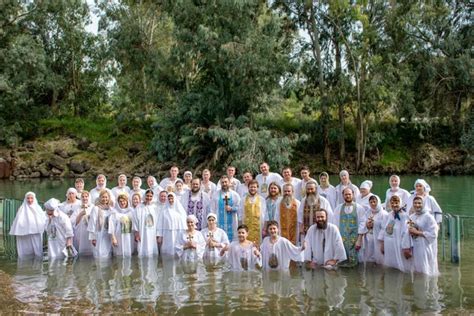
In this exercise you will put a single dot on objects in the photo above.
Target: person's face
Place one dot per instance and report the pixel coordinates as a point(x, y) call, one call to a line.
point(101, 181)
point(373, 203)
point(195, 186)
point(231, 172)
point(344, 178)
point(179, 186)
point(273, 190)
point(123, 203)
point(321, 219)
point(394, 182)
point(419, 188)
point(174, 172)
point(395, 205)
point(163, 197)
point(287, 174)
point(311, 189)
point(171, 199)
point(191, 225)
point(288, 191)
point(272, 230)
point(29, 199)
point(85, 199)
point(253, 188)
point(264, 168)
point(304, 174)
point(206, 175)
point(135, 200)
point(211, 222)
point(247, 177)
point(104, 199)
point(136, 183)
point(225, 184)
point(122, 181)
point(150, 182)
point(79, 186)
point(148, 197)
point(242, 234)
point(348, 196)
point(323, 179)
point(417, 204)
point(71, 196)
point(188, 177)
point(364, 191)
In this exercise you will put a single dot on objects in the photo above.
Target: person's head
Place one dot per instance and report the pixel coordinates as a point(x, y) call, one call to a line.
point(174, 172)
point(171, 198)
point(311, 188)
point(163, 197)
point(304, 172)
point(195, 185)
point(373, 202)
point(418, 204)
point(188, 176)
point(211, 220)
point(136, 199)
point(230, 171)
point(104, 198)
point(247, 177)
point(394, 181)
point(321, 219)
point(122, 180)
point(225, 183)
point(191, 222)
point(422, 187)
point(179, 185)
point(122, 200)
point(79, 184)
point(274, 190)
point(365, 187)
point(264, 168)
point(395, 203)
point(272, 228)
point(287, 173)
point(348, 195)
point(253, 187)
point(344, 176)
point(30, 198)
point(206, 175)
point(324, 178)
point(71, 194)
point(136, 183)
point(85, 197)
point(288, 190)
point(242, 232)
point(101, 180)
point(151, 181)
point(51, 206)
point(148, 196)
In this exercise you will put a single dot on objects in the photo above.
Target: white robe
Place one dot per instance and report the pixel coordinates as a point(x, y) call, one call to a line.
point(98, 229)
point(120, 224)
point(139, 191)
point(430, 205)
point(283, 250)
point(329, 193)
point(370, 251)
point(242, 190)
point(264, 182)
point(81, 235)
point(168, 185)
point(243, 258)
point(211, 256)
point(403, 194)
point(210, 188)
point(425, 248)
point(233, 184)
point(201, 197)
point(59, 229)
point(95, 192)
point(324, 244)
point(300, 190)
point(295, 182)
point(341, 187)
point(364, 200)
point(145, 221)
point(393, 241)
point(118, 190)
point(69, 208)
point(324, 204)
point(182, 239)
point(171, 222)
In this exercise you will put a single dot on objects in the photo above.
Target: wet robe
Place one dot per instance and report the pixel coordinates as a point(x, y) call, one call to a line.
point(59, 229)
point(324, 244)
point(277, 256)
point(120, 225)
point(243, 258)
point(81, 235)
point(98, 229)
point(145, 219)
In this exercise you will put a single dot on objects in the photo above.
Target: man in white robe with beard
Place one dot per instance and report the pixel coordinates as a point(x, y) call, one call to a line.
point(324, 245)
point(101, 184)
point(265, 178)
point(196, 202)
point(59, 229)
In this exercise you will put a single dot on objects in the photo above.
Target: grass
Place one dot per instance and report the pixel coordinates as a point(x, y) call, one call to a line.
point(99, 131)
point(394, 157)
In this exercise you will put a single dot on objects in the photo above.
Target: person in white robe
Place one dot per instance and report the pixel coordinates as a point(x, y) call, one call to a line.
point(287, 178)
point(365, 194)
point(423, 189)
point(423, 239)
point(216, 239)
point(59, 229)
point(28, 227)
point(242, 253)
point(120, 227)
point(300, 189)
point(324, 246)
point(392, 234)
point(153, 185)
point(101, 184)
point(265, 178)
point(190, 243)
point(187, 178)
point(168, 183)
point(180, 191)
point(287, 215)
point(277, 252)
point(137, 188)
point(243, 188)
point(71, 204)
point(345, 183)
point(197, 202)
point(171, 223)
point(98, 227)
point(145, 221)
point(79, 186)
point(207, 185)
point(226, 204)
point(395, 189)
point(121, 187)
point(233, 181)
point(252, 213)
point(80, 221)
point(326, 189)
point(375, 216)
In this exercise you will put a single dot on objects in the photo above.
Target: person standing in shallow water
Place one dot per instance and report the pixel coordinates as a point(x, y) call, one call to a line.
point(99, 226)
point(80, 221)
point(226, 203)
point(243, 255)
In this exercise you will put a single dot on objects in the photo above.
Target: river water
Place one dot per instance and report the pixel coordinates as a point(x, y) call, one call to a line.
point(156, 286)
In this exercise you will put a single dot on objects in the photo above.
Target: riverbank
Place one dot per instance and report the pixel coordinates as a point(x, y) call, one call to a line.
point(67, 157)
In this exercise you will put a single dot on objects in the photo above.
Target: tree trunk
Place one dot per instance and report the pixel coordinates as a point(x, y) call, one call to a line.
point(342, 145)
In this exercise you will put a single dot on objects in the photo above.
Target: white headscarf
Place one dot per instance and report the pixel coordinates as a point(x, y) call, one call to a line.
point(367, 184)
point(177, 208)
point(97, 181)
point(139, 183)
point(155, 183)
point(71, 190)
point(29, 219)
point(424, 184)
point(378, 208)
point(390, 182)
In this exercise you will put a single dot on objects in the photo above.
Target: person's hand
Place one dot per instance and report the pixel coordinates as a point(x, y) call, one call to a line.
point(228, 208)
point(331, 262)
point(137, 237)
point(94, 242)
point(303, 247)
point(256, 252)
point(114, 241)
point(407, 253)
point(358, 245)
point(159, 240)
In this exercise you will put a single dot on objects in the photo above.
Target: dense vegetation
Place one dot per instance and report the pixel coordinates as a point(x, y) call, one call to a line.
point(207, 83)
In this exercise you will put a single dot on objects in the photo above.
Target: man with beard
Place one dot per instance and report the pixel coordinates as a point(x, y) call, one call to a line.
point(252, 213)
point(310, 204)
point(350, 218)
point(324, 245)
point(196, 202)
point(226, 203)
point(287, 215)
point(272, 200)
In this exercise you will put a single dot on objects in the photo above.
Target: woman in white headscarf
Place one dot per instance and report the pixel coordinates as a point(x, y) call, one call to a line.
point(71, 204)
point(99, 225)
point(365, 194)
point(101, 184)
point(395, 189)
point(376, 216)
point(80, 221)
point(190, 240)
point(422, 189)
point(345, 183)
point(137, 188)
point(59, 229)
point(28, 227)
point(120, 227)
point(171, 222)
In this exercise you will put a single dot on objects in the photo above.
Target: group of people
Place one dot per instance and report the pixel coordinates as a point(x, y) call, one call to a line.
point(271, 221)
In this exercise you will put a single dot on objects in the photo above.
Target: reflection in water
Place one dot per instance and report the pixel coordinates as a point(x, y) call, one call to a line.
point(150, 285)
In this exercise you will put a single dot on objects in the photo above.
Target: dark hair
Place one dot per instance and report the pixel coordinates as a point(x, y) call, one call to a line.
point(253, 182)
point(272, 223)
point(322, 210)
point(304, 168)
point(149, 191)
point(395, 197)
point(243, 226)
point(373, 197)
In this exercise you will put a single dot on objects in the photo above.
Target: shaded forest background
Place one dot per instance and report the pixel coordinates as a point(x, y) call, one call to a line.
point(207, 83)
